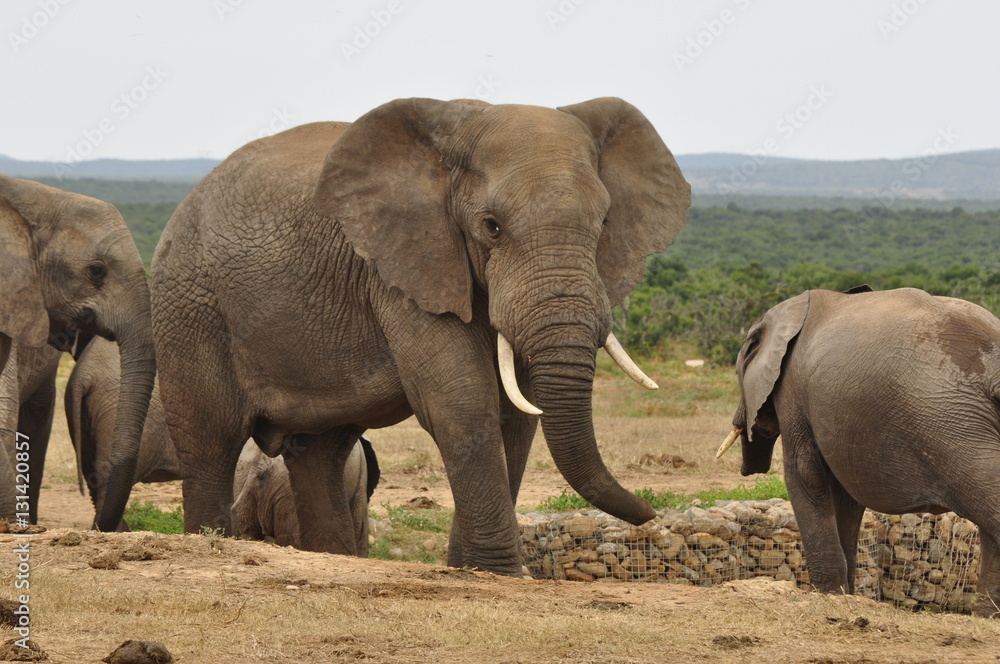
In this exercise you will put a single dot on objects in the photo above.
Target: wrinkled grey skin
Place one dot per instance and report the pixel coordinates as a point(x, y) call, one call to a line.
point(338, 277)
point(91, 402)
point(69, 269)
point(36, 384)
point(888, 400)
point(264, 507)
point(263, 504)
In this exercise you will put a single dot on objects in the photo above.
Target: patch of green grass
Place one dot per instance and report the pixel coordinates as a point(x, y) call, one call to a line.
point(416, 535)
point(147, 516)
point(763, 488)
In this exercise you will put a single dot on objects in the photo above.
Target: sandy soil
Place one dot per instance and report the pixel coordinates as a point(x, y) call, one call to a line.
point(223, 601)
point(211, 599)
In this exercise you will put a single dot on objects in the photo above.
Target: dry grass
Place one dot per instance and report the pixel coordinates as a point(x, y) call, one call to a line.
point(207, 605)
point(215, 600)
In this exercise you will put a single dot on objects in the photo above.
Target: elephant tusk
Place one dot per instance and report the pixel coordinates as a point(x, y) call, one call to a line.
point(621, 358)
point(728, 442)
point(505, 357)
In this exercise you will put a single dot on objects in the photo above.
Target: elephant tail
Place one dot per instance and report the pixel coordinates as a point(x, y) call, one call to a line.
point(76, 393)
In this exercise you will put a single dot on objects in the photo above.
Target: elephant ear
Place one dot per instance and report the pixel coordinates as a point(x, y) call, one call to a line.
point(649, 195)
point(759, 362)
point(23, 316)
point(386, 183)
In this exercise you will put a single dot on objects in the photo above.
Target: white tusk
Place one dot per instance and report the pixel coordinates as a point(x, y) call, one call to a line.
point(505, 356)
point(621, 358)
point(728, 442)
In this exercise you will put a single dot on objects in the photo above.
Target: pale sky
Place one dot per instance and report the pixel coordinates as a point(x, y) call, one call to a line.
point(845, 79)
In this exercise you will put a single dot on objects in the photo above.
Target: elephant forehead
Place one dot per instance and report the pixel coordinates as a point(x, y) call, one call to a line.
point(503, 132)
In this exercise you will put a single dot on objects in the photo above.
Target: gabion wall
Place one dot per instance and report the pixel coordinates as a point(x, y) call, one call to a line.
point(913, 560)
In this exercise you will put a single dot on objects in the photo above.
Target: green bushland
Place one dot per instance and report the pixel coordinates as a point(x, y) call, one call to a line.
point(147, 516)
point(763, 488)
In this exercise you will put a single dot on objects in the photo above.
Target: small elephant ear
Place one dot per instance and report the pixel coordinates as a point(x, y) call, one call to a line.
point(759, 362)
point(23, 316)
point(649, 195)
point(385, 181)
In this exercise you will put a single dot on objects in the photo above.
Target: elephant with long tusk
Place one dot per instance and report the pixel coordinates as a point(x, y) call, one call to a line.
point(453, 260)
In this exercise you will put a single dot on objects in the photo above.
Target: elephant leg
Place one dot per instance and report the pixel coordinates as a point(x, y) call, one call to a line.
point(207, 453)
point(849, 514)
point(315, 465)
point(989, 575)
point(518, 431)
point(8, 432)
point(35, 421)
point(810, 488)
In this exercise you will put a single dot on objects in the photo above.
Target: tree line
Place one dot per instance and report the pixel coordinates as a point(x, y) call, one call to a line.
point(730, 264)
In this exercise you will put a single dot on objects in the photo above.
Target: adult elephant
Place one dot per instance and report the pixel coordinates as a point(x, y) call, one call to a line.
point(338, 277)
point(69, 268)
point(888, 400)
point(263, 506)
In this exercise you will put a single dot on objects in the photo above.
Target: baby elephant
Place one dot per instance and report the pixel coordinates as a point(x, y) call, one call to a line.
point(263, 504)
point(888, 400)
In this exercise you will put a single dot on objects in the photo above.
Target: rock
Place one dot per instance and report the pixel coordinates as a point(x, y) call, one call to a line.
point(770, 560)
point(140, 652)
point(593, 568)
point(10, 651)
point(574, 574)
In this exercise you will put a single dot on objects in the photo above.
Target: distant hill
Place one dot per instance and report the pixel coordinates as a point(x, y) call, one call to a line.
point(152, 169)
point(962, 175)
point(719, 177)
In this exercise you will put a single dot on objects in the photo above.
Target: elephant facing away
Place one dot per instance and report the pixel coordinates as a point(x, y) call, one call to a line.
point(888, 400)
point(339, 277)
point(263, 507)
point(69, 270)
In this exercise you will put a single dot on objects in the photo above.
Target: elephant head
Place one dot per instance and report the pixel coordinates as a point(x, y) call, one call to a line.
point(69, 269)
point(758, 366)
point(549, 212)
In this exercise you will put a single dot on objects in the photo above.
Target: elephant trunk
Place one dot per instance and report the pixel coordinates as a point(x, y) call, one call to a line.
point(138, 370)
point(562, 380)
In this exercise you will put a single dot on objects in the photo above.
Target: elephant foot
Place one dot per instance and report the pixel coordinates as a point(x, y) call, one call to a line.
point(987, 607)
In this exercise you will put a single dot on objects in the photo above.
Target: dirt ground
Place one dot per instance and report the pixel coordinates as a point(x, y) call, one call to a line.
point(211, 599)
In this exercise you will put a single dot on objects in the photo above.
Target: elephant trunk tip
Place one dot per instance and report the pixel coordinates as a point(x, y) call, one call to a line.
point(644, 514)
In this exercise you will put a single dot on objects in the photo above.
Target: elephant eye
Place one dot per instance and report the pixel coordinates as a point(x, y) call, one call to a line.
point(97, 273)
point(492, 227)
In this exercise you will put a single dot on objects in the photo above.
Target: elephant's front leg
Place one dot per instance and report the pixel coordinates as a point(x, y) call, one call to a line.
point(315, 465)
point(455, 396)
point(518, 431)
point(989, 576)
point(810, 488)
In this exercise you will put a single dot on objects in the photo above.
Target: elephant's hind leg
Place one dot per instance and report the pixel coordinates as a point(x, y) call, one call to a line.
point(316, 473)
point(849, 514)
point(815, 503)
